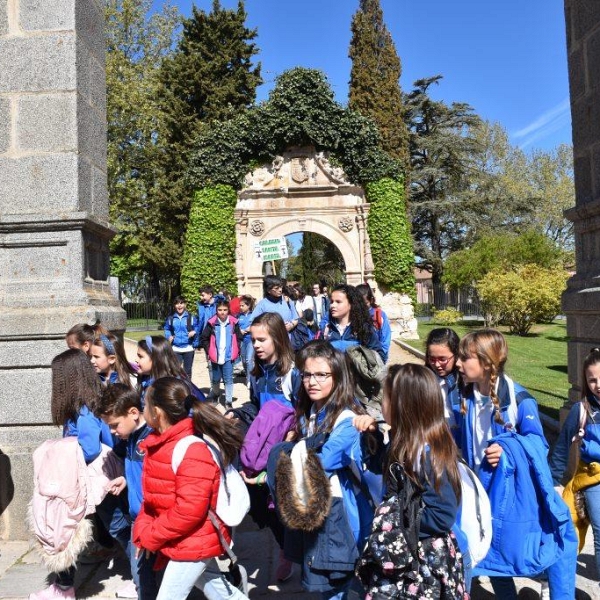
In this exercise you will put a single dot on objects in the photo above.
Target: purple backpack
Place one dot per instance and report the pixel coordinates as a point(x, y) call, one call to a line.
point(270, 427)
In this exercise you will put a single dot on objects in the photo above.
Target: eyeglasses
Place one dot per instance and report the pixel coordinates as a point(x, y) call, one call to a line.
point(433, 360)
point(318, 377)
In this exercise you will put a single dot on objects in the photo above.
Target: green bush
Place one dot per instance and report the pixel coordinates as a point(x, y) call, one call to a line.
point(389, 234)
point(530, 294)
point(447, 316)
point(209, 248)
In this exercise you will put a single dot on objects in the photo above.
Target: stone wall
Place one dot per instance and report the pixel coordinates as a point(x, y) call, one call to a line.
point(53, 216)
point(581, 301)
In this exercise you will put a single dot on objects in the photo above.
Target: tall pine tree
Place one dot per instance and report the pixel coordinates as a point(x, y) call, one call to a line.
point(375, 79)
point(210, 77)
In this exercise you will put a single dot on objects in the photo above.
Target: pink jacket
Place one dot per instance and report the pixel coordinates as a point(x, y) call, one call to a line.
point(65, 491)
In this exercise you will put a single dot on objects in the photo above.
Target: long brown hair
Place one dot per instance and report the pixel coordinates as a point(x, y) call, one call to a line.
point(75, 384)
point(416, 415)
point(342, 395)
point(173, 397)
point(490, 348)
point(275, 327)
point(164, 361)
point(111, 345)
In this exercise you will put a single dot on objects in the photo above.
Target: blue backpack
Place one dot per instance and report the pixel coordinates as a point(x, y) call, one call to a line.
point(301, 335)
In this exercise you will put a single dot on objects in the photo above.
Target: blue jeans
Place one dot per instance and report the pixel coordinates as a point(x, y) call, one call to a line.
point(181, 576)
point(187, 360)
point(225, 372)
point(592, 502)
point(248, 358)
point(143, 574)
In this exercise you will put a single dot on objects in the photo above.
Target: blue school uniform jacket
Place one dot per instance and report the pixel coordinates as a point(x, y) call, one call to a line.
point(590, 444)
point(90, 431)
point(518, 409)
point(347, 338)
point(134, 461)
point(532, 528)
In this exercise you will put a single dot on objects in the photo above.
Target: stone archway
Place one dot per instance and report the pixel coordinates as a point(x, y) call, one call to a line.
point(301, 191)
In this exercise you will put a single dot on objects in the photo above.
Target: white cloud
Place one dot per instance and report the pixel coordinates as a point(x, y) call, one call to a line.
point(548, 122)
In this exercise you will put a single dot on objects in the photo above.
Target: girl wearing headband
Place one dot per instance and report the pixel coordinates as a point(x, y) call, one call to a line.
point(108, 359)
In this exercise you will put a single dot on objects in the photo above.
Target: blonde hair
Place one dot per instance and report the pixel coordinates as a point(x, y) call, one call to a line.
point(490, 348)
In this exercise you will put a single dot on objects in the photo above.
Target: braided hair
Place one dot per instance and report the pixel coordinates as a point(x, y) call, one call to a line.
point(490, 348)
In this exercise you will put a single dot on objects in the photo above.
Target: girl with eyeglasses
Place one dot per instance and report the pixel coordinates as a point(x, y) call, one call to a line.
point(441, 350)
point(325, 412)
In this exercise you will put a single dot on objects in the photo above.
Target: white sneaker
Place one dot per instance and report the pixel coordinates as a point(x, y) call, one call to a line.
point(545, 591)
point(127, 591)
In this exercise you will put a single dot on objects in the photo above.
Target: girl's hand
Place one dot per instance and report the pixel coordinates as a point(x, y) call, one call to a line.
point(364, 423)
point(258, 480)
point(290, 436)
point(116, 486)
point(139, 551)
point(191, 333)
point(493, 454)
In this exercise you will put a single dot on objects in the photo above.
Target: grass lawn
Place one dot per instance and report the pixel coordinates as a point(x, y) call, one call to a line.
point(537, 361)
point(140, 335)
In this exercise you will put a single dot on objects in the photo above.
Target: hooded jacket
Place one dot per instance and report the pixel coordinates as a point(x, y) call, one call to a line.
point(174, 519)
point(233, 337)
point(532, 528)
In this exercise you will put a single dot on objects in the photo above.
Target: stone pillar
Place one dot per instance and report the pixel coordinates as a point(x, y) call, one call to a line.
point(581, 301)
point(53, 217)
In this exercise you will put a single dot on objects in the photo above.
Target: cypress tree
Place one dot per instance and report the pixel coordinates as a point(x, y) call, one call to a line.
point(375, 79)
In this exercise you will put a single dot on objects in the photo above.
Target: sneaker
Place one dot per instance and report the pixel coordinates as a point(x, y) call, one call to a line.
point(545, 591)
point(127, 591)
point(284, 568)
point(54, 592)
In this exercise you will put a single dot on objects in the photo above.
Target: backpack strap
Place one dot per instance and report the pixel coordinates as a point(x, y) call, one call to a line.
point(181, 448)
point(171, 326)
point(582, 422)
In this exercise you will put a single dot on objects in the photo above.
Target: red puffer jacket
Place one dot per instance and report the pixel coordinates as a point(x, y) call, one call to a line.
point(174, 515)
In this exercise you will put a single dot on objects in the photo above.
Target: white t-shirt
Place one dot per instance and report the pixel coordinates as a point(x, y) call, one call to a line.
point(482, 426)
point(222, 342)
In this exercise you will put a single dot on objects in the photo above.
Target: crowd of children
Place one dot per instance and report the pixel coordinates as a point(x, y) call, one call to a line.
point(366, 505)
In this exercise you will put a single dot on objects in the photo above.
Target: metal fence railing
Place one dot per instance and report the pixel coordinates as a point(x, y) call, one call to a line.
point(147, 315)
point(439, 297)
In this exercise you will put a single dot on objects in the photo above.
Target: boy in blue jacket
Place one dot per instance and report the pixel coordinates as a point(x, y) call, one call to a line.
point(121, 410)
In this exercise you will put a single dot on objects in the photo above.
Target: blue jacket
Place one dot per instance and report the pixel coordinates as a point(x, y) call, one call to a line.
point(244, 321)
point(268, 385)
point(532, 528)
point(342, 341)
point(519, 412)
point(384, 333)
point(285, 309)
point(590, 445)
point(205, 312)
point(176, 327)
point(134, 461)
point(90, 431)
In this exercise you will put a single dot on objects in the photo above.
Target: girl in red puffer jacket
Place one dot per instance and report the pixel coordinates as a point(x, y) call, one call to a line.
point(174, 521)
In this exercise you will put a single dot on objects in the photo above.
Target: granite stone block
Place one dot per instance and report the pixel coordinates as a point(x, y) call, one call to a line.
point(29, 388)
point(97, 96)
point(99, 193)
point(38, 184)
point(592, 46)
point(42, 15)
point(596, 168)
point(585, 15)
point(38, 63)
point(3, 17)
point(91, 132)
point(47, 123)
point(89, 19)
point(583, 178)
point(5, 124)
point(576, 73)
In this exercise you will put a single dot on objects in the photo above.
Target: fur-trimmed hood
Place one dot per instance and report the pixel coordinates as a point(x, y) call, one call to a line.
point(302, 489)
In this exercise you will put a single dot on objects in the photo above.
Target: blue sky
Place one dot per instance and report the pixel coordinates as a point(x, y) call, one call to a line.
point(507, 58)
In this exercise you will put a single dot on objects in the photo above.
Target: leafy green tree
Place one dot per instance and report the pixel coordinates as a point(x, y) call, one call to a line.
point(137, 42)
point(522, 297)
point(500, 252)
point(442, 145)
point(375, 79)
point(320, 260)
point(209, 76)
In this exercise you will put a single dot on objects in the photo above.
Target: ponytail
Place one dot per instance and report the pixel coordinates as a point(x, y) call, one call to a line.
point(494, 396)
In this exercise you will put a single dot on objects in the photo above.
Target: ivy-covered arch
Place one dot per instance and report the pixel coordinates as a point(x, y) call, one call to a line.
point(301, 111)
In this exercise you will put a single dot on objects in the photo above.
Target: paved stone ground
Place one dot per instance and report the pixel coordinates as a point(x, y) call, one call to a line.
point(21, 571)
